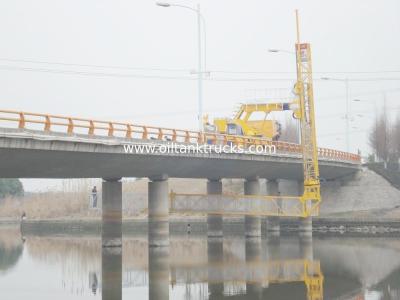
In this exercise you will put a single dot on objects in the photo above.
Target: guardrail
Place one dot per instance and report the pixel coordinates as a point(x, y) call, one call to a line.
point(92, 127)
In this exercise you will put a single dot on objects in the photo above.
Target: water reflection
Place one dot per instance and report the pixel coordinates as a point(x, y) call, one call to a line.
point(215, 254)
point(11, 247)
point(158, 273)
point(200, 268)
point(111, 266)
point(258, 273)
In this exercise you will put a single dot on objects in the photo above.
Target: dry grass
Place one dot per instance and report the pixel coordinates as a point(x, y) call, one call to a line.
point(71, 201)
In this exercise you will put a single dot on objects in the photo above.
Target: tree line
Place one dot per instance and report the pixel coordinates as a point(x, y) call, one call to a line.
point(11, 187)
point(384, 139)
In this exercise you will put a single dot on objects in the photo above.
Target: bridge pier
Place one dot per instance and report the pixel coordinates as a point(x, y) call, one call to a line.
point(252, 223)
point(214, 222)
point(111, 229)
point(158, 222)
point(273, 223)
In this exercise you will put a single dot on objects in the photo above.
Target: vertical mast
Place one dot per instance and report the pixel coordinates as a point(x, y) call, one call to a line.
point(304, 89)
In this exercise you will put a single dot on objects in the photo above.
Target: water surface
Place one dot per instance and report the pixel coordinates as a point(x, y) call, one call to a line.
point(71, 267)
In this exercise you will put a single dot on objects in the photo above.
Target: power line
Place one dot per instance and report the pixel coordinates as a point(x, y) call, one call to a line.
point(144, 76)
point(127, 75)
point(293, 72)
point(94, 66)
point(335, 97)
point(94, 74)
point(185, 70)
point(340, 133)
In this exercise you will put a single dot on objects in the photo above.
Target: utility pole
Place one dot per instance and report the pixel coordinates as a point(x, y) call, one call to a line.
point(385, 128)
point(347, 116)
point(200, 72)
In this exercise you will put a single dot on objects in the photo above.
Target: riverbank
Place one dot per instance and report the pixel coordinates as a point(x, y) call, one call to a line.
point(232, 226)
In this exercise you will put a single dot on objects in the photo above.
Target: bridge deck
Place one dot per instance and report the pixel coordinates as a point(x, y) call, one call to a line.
point(37, 154)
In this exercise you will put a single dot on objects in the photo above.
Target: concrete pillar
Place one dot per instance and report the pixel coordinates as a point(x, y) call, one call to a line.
point(214, 222)
point(111, 233)
point(255, 272)
point(215, 251)
point(158, 231)
point(273, 223)
point(252, 223)
point(158, 273)
point(305, 224)
point(111, 268)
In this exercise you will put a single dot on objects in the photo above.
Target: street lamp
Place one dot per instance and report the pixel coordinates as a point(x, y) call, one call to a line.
point(280, 50)
point(347, 117)
point(374, 102)
point(163, 4)
point(199, 71)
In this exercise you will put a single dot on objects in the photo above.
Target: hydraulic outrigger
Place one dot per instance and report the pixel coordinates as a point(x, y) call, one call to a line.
point(307, 204)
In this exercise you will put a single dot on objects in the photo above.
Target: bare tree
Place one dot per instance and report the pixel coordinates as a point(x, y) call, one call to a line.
point(379, 138)
point(395, 139)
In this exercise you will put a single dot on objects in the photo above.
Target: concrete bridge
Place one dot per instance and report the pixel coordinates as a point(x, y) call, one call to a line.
point(48, 146)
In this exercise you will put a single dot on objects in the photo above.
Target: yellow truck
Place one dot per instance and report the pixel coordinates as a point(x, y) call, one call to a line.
point(242, 123)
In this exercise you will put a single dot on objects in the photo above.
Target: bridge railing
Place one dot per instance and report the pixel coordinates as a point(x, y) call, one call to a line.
point(93, 127)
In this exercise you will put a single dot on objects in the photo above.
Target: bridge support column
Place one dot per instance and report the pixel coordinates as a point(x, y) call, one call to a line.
point(273, 223)
point(111, 233)
point(158, 222)
point(214, 222)
point(252, 223)
point(305, 224)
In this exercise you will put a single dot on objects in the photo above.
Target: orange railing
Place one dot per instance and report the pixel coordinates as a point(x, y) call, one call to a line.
point(92, 127)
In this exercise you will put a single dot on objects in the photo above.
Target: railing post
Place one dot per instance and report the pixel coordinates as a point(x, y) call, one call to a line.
point(110, 129)
point(128, 131)
point(21, 124)
point(200, 138)
point(47, 124)
point(91, 127)
point(174, 135)
point(70, 129)
point(145, 133)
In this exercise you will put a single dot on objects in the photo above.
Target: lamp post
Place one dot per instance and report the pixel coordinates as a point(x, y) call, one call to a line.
point(281, 50)
point(199, 53)
point(347, 117)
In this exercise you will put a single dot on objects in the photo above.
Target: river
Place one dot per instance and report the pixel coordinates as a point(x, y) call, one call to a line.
point(195, 267)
